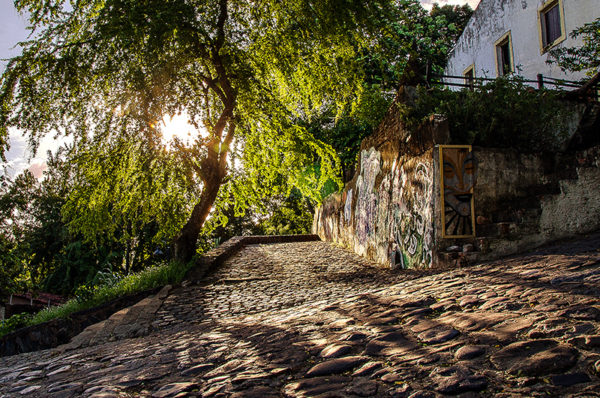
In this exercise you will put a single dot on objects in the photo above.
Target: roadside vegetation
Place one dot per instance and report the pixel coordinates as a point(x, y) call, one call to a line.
point(109, 287)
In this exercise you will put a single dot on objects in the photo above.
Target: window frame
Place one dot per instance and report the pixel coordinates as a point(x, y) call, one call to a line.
point(504, 39)
point(470, 81)
point(542, 11)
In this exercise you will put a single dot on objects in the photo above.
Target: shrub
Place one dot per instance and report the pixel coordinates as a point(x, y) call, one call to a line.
point(505, 113)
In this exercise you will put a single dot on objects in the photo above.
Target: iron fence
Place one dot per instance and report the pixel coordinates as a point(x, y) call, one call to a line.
point(542, 82)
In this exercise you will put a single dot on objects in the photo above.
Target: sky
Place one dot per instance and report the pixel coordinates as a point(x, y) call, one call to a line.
point(13, 30)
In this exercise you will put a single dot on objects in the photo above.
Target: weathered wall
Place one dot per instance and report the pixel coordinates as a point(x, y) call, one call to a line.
point(525, 200)
point(493, 18)
point(386, 212)
point(391, 211)
point(387, 215)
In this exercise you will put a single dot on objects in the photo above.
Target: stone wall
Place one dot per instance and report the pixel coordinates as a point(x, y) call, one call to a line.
point(391, 211)
point(386, 213)
point(525, 200)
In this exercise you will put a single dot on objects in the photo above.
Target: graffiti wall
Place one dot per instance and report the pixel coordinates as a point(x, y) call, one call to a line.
point(387, 213)
point(412, 214)
point(416, 201)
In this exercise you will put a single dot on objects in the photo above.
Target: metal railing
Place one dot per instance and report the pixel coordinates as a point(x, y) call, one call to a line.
point(542, 82)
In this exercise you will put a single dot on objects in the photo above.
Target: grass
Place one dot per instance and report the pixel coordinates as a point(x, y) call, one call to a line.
point(93, 296)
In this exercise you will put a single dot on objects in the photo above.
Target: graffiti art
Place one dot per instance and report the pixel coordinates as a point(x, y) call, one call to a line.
point(458, 177)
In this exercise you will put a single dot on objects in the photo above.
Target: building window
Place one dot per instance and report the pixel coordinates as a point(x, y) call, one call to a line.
point(552, 25)
point(504, 61)
point(469, 75)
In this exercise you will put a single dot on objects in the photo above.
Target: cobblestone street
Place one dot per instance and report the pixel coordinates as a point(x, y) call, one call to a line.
point(309, 319)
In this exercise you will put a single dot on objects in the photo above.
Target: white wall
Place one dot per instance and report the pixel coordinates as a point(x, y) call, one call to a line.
point(493, 18)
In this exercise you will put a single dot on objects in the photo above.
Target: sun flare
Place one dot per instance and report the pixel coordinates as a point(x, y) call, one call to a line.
point(179, 126)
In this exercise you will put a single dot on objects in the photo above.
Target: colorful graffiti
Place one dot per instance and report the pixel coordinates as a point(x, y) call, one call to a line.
point(388, 214)
point(348, 207)
point(366, 199)
point(458, 177)
point(411, 240)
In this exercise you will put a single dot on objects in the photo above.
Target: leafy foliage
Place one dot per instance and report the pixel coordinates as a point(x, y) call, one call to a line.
point(584, 58)
point(291, 216)
point(43, 251)
point(106, 72)
point(504, 113)
point(412, 43)
point(456, 16)
point(15, 322)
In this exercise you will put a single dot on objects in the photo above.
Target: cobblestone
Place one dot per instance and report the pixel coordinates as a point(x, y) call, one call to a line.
point(307, 319)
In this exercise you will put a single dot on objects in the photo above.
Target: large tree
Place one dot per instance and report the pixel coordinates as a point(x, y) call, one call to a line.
point(106, 72)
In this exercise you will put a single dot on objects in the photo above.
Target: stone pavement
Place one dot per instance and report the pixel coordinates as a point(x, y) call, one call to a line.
point(310, 319)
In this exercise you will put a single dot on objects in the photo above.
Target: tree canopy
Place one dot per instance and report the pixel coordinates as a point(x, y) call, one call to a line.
point(248, 74)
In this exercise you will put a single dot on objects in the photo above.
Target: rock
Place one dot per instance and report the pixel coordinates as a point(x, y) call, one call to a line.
point(584, 342)
point(570, 379)
point(363, 388)
point(535, 357)
point(171, 390)
point(236, 365)
point(469, 301)
point(34, 374)
point(29, 390)
point(367, 369)
point(437, 336)
point(470, 322)
point(62, 369)
point(429, 359)
point(197, 369)
point(354, 336)
point(334, 351)
point(316, 385)
point(391, 377)
point(454, 248)
point(422, 394)
point(469, 352)
point(456, 380)
point(336, 366)
point(65, 390)
point(257, 392)
point(469, 247)
point(389, 344)
point(9, 377)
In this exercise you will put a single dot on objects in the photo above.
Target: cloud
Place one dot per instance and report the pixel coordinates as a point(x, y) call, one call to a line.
point(38, 168)
point(19, 156)
point(17, 159)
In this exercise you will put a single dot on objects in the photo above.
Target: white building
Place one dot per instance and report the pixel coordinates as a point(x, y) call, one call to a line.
point(514, 36)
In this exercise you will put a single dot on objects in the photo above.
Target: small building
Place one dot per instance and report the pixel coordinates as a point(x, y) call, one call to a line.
point(514, 36)
point(27, 302)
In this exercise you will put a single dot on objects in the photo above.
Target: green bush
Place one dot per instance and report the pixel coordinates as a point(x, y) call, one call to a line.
point(15, 322)
point(505, 113)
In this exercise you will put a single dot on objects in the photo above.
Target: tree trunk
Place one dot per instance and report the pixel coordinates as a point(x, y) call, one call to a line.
point(185, 243)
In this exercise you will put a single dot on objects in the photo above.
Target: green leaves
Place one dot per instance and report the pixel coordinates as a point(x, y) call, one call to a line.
point(504, 113)
point(253, 78)
point(584, 58)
